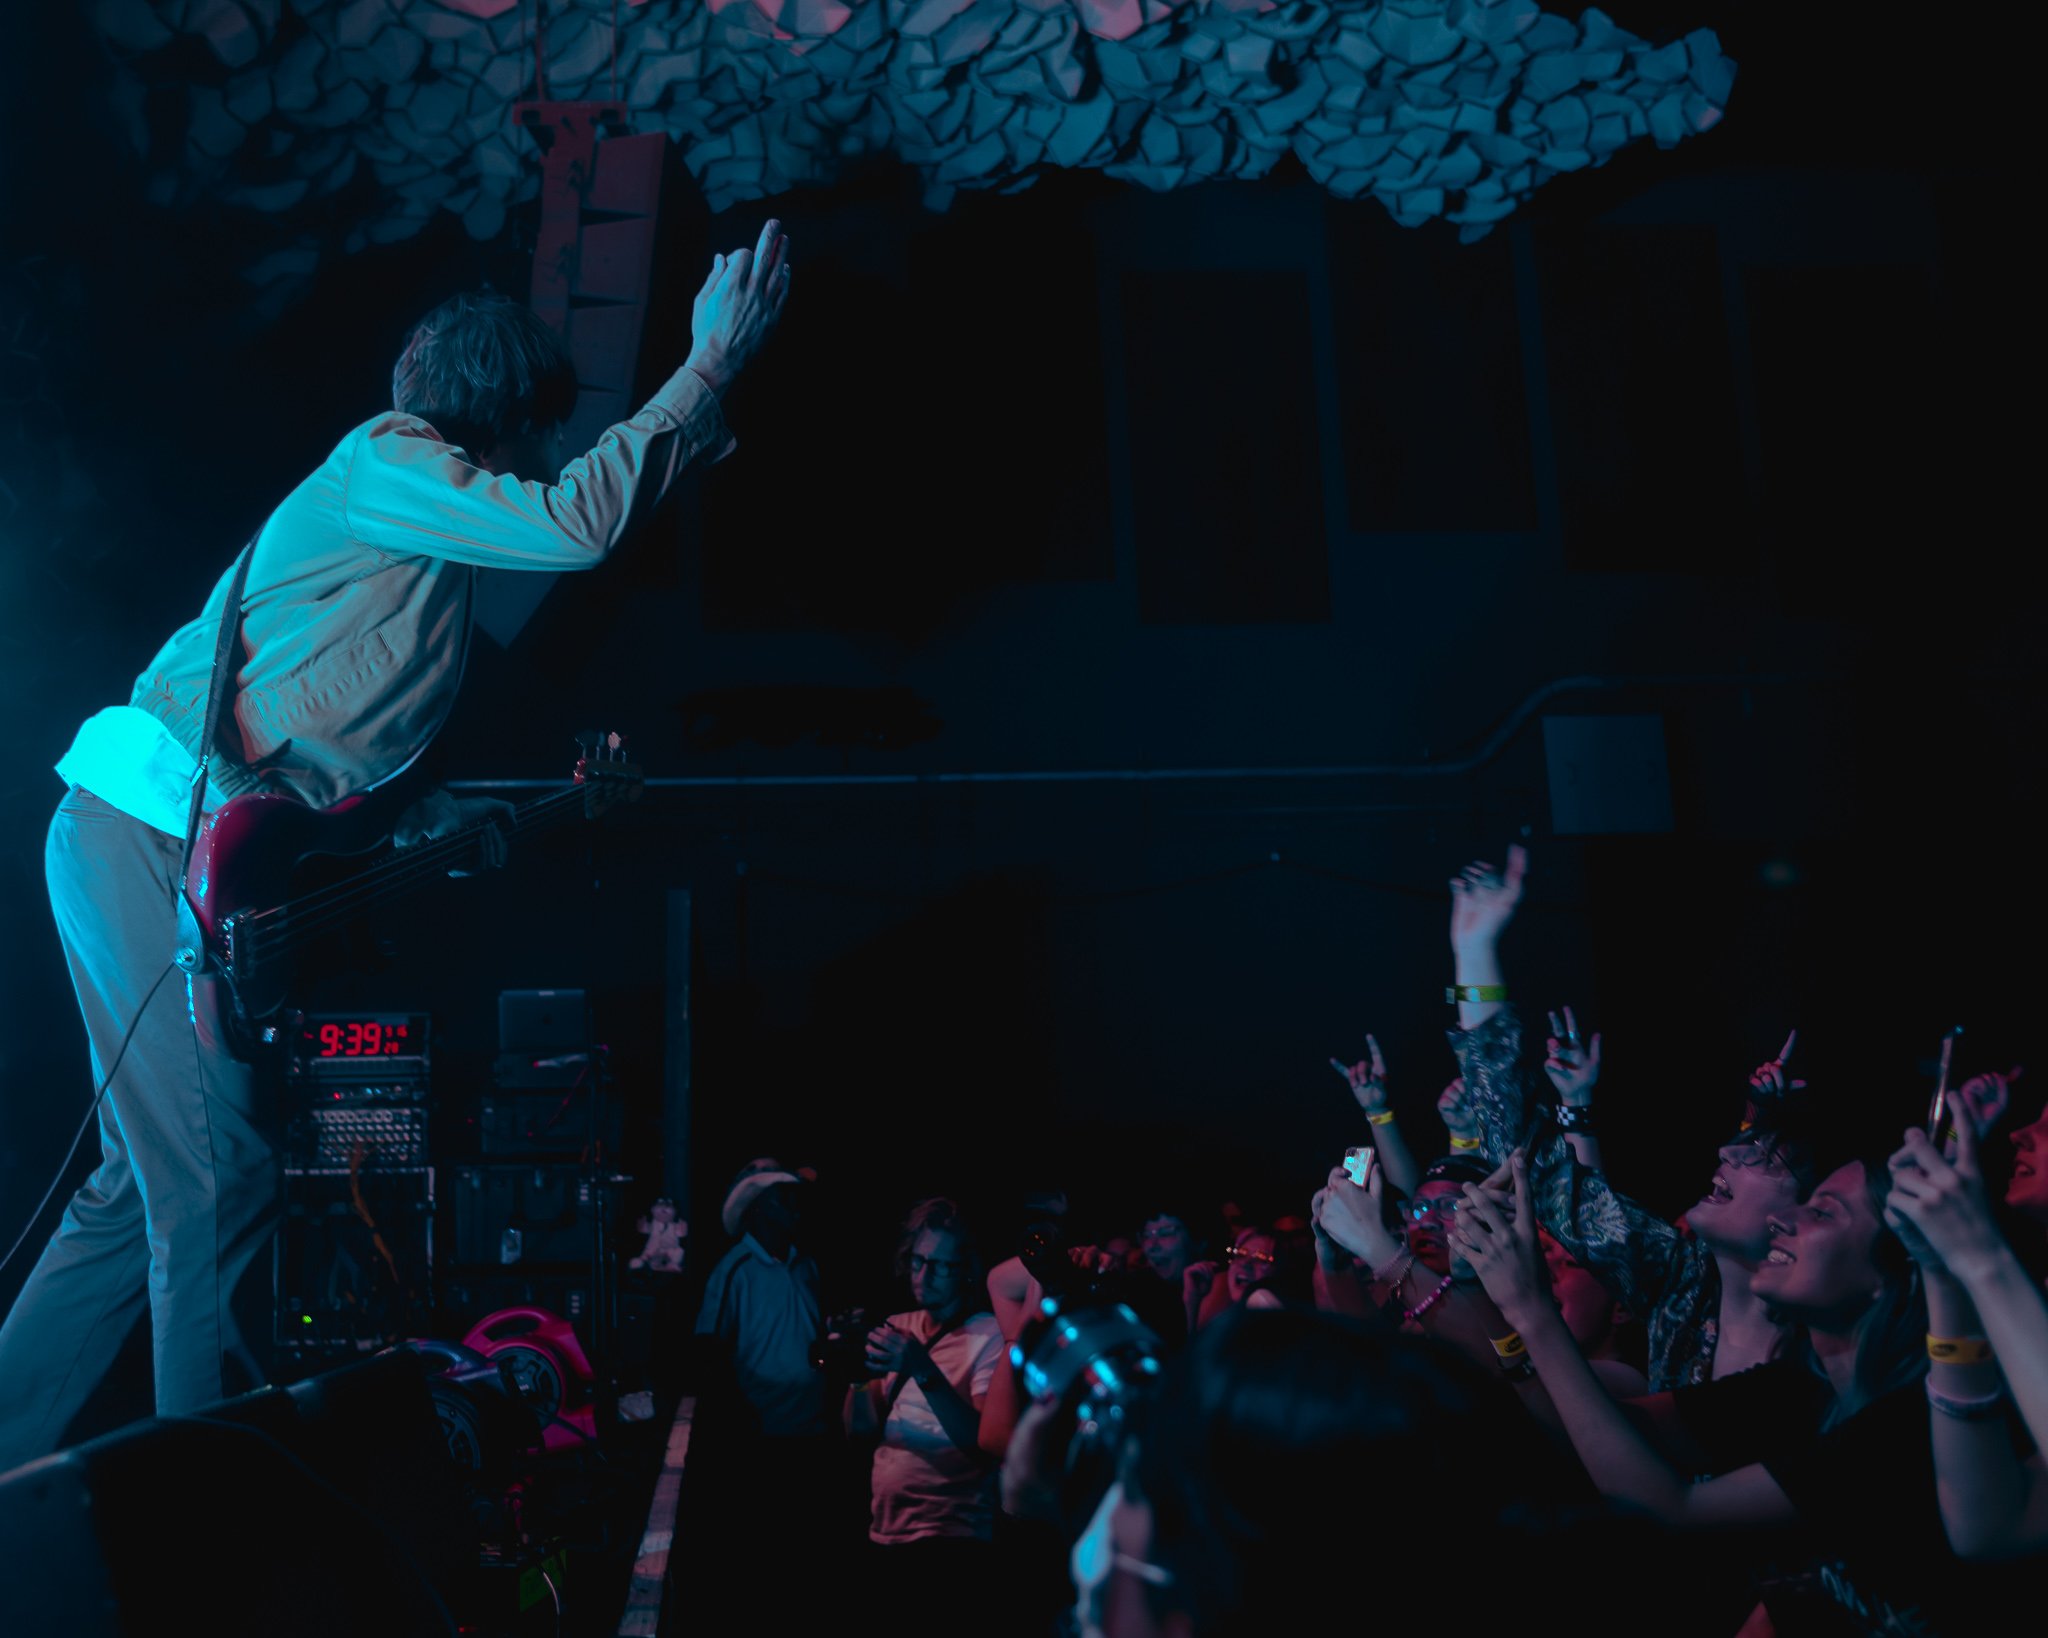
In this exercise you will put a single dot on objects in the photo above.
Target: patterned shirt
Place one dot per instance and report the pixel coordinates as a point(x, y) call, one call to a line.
point(1653, 1268)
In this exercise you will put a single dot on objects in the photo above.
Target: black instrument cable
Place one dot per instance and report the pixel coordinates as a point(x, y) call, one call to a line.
point(85, 1125)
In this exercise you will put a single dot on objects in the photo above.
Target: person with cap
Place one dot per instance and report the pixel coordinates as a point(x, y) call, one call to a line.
point(764, 1470)
point(761, 1309)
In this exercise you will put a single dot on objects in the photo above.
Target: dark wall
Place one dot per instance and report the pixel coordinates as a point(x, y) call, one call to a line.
point(1087, 479)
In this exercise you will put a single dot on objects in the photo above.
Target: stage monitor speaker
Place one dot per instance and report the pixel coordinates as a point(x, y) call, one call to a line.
point(208, 1524)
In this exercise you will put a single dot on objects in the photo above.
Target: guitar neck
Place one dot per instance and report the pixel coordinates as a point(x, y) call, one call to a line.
point(535, 815)
point(424, 859)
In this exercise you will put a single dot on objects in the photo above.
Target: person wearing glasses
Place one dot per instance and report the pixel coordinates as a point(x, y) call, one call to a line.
point(1826, 1453)
point(1173, 1251)
point(1410, 1277)
point(933, 1490)
point(1260, 1270)
point(1359, 1254)
point(1689, 1281)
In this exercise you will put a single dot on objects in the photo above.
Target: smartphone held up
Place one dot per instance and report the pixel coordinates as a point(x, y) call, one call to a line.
point(1939, 1117)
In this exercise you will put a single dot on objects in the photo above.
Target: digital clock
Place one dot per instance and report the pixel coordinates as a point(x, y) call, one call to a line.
point(332, 1040)
point(362, 1038)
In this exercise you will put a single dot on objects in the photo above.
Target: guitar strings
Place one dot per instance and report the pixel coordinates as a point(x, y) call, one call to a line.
point(431, 852)
point(300, 918)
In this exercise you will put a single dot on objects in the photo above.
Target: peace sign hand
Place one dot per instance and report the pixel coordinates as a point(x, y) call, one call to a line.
point(1573, 1069)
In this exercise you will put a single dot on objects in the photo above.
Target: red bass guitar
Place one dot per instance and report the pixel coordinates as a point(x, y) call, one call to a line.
point(237, 919)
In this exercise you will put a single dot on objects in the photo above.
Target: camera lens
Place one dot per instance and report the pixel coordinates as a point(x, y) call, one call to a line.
point(1094, 1361)
point(843, 1351)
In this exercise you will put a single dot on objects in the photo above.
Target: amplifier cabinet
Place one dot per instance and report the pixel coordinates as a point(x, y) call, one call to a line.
point(353, 1260)
point(335, 1136)
point(568, 1121)
point(510, 1216)
point(470, 1295)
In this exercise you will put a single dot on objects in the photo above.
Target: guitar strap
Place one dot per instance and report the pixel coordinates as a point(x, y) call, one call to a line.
point(190, 955)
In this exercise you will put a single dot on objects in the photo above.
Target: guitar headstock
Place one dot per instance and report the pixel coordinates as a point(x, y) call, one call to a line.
point(604, 773)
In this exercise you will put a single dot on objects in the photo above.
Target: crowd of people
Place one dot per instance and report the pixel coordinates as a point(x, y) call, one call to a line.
point(1814, 1404)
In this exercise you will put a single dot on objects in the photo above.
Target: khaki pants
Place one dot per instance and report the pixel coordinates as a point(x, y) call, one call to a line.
point(185, 1194)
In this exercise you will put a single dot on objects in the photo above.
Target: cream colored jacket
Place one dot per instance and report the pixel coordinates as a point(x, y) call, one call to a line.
point(357, 612)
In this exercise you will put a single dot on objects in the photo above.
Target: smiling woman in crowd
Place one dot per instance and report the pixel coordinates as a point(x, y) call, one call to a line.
point(1833, 1438)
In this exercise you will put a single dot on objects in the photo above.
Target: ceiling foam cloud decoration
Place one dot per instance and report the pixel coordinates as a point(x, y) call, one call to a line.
point(1437, 109)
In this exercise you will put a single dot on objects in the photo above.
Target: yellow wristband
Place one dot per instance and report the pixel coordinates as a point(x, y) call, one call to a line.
point(1510, 1346)
point(1958, 1350)
point(1384, 1118)
point(1463, 1146)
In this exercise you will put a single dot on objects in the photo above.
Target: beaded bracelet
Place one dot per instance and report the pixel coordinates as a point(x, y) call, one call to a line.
point(1442, 1290)
point(1966, 1410)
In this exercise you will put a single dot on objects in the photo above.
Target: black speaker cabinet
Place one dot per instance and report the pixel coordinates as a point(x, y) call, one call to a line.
point(327, 1509)
point(512, 1217)
point(342, 1284)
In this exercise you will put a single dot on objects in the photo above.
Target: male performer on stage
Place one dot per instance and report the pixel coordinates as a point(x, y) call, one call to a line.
point(354, 624)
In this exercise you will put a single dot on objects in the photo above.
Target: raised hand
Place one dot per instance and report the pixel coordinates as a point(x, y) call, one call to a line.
point(1938, 1205)
point(1483, 900)
point(1455, 1112)
point(1573, 1069)
point(1367, 1078)
point(1987, 1097)
point(1496, 1236)
point(1354, 1217)
point(1770, 1079)
point(739, 304)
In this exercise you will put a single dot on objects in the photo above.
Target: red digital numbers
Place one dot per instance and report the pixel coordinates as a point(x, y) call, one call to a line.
point(362, 1038)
